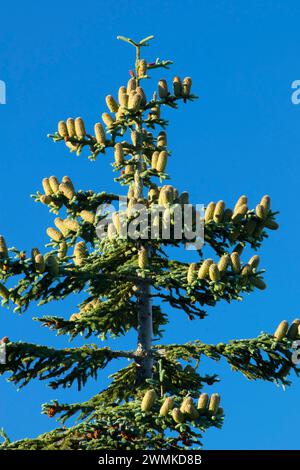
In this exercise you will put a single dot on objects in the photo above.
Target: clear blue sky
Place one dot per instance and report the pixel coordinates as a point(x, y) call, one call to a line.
point(242, 137)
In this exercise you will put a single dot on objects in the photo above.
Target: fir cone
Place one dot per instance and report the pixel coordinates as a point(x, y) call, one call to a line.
point(219, 211)
point(54, 184)
point(214, 403)
point(54, 234)
point(71, 127)
point(223, 263)
point(250, 226)
point(154, 160)
point(131, 85)
point(242, 200)
point(271, 225)
point(177, 87)
point(62, 129)
point(142, 94)
point(63, 248)
point(204, 269)
point(59, 223)
point(162, 162)
point(148, 400)
point(134, 101)
point(266, 203)
point(107, 119)
point(111, 104)
point(260, 211)
point(192, 272)
point(72, 225)
point(240, 212)
point(254, 261)
point(68, 190)
point(45, 199)
point(166, 407)
point(80, 128)
point(235, 262)
point(162, 139)
point(122, 91)
point(163, 91)
point(119, 154)
point(178, 416)
point(214, 273)
point(88, 216)
point(39, 263)
point(209, 212)
point(186, 86)
point(143, 258)
point(191, 411)
point(281, 330)
point(142, 68)
point(80, 253)
point(46, 187)
point(99, 133)
point(293, 329)
point(4, 293)
point(203, 402)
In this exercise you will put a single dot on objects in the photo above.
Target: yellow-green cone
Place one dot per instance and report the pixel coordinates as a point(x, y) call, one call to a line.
point(266, 203)
point(72, 225)
point(45, 199)
point(148, 400)
point(186, 86)
point(204, 268)
point(63, 248)
point(214, 403)
point(4, 293)
point(178, 416)
point(52, 265)
point(71, 127)
point(235, 262)
point(46, 187)
point(245, 273)
point(223, 263)
point(142, 94)
point(191, 411)
point(131, 85)
point(166, 407)
point(87, 216)
point(254, 261)
point(39, 263)
point(54, 234)
point(3, 248)
point(54, 184)
point(111, 104)
point(122, 91)
point(143, 258)
point(68, 190)
point(162, 139)
point(154, 160)
point(99, 133)
point(260, 211)
point(107, 119)
point(60, 224)
point(214, 273)
point(209, 212)
point(134, 101)
point(177, 87)
point(62, 129)
point(293, 329)
point(80, 253)
point(162, 162)
point(281, 330)
point(192, 273)
point(163, 91)
point(80, 128)
point(202, 402)
point(142, 68)
point(242, 200)
point(119, 154)
point(219, 211)
point(240, 212)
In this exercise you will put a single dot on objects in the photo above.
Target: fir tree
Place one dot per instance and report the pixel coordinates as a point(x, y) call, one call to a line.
point(161, 400)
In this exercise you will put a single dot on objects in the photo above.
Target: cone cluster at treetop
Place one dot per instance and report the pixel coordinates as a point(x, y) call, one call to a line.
point(161, 400)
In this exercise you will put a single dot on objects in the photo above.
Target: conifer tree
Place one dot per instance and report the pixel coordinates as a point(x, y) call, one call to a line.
point(161, 400)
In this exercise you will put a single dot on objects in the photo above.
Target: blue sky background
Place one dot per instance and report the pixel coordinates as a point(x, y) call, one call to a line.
point(242, 137)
